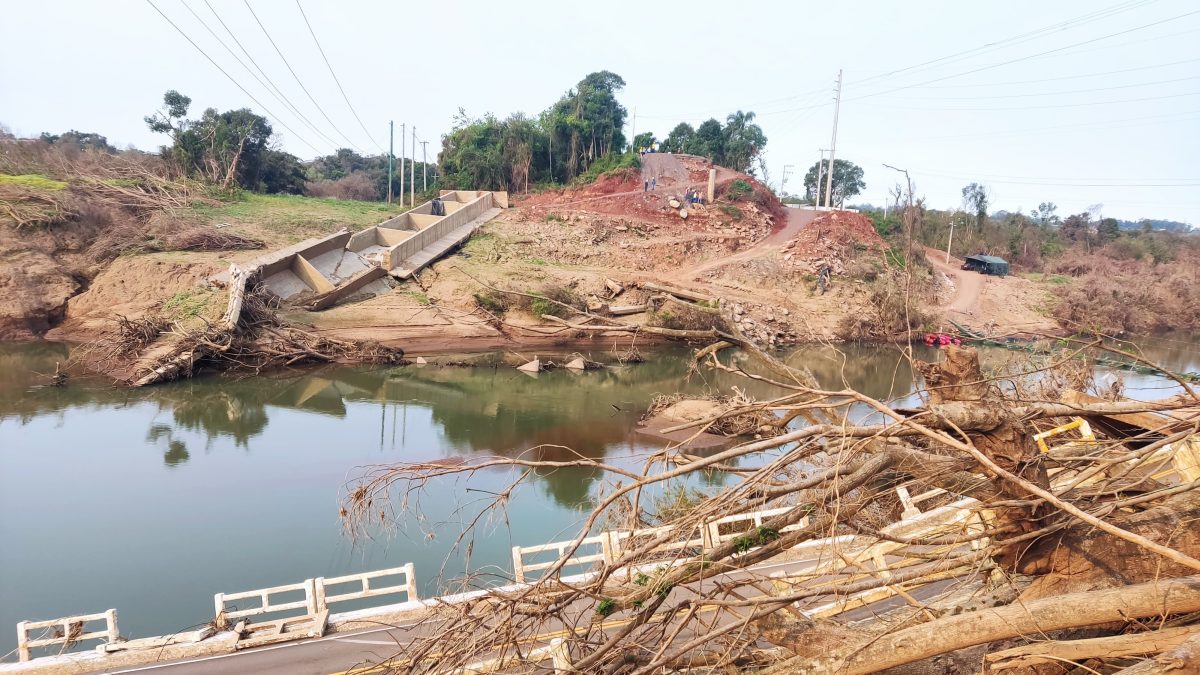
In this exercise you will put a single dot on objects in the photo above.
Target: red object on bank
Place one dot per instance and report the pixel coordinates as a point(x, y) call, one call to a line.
point(941, 339)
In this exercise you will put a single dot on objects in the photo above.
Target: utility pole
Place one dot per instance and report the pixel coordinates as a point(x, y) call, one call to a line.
point(412, 169)
point(783, 178)
point(391, 149)
point(837, 107)
point(633, 130)
point(951, 241)
point(424, 165)
point(402, 153)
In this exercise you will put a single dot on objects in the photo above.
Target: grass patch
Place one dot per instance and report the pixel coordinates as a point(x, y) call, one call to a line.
point(420, 298)
point(190, 303)
point(491, 303)
point(33, 180)
point(608, 163)
point(554, 218)
point(540, 262)
point(1056, 279)
point(732, 211)
point(291, 218)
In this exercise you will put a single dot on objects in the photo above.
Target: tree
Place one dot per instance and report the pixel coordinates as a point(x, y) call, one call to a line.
point(679, 138)
point(708, 141)
point(643, 140)
point(742, 141)
point(1044, 214)
point(1109, 229)
point(847, 181)
point(222, 148)
point(1075, 227)
point(975, 200)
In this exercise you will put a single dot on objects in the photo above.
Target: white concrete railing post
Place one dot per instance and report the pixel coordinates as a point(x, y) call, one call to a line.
point(219, 611)
point(518, 565)
point(22, 641)
point(561, 657)
point(410, 574)
point(110, 617)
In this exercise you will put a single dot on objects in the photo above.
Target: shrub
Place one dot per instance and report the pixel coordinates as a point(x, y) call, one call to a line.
point(491, 303)
point(738, 189)
point(548, 302)
point(732, 211)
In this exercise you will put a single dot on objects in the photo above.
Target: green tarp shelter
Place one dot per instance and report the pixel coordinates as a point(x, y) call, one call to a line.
point(987, 264)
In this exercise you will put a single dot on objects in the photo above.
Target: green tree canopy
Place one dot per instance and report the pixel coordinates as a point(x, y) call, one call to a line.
point(679, 138)
point(847, 181)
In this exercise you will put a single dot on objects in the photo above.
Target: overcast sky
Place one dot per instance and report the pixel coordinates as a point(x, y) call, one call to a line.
point(1074, 102)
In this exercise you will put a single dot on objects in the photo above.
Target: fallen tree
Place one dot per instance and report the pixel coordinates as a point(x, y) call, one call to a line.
point(845, 479)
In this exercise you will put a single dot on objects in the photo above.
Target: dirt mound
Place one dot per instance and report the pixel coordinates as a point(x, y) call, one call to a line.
point(833, 239)
point(131, 286)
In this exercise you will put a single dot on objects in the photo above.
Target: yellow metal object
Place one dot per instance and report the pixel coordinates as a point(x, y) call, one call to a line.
point(1085, 433)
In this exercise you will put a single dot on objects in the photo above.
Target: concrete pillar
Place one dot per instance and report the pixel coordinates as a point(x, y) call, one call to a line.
point(712, 185)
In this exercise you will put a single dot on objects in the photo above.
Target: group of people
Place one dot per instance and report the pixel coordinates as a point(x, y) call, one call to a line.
point(650, 184)
point(693, 196)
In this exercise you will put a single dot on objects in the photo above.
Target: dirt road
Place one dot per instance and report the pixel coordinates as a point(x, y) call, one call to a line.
point(796, 220)
point(968, 285)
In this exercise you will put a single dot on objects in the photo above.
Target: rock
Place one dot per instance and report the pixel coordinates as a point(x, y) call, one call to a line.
point(683, 213)
point(420, 361)
point(622, 228)
point(577, 364)
point(534, 366)
point(691, 410)
point(675, 203)
point(614, 289)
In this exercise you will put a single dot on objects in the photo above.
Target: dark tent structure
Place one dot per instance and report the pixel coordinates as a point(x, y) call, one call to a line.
point(987, 264)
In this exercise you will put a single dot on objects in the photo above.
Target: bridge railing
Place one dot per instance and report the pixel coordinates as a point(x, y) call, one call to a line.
point(408, 586)
point(224, 615)
point(66, 631)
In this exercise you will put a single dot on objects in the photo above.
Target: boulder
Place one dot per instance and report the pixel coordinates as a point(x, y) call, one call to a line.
point(576, 364)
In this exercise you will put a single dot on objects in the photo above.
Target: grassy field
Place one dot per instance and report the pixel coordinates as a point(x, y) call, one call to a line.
point(32, 180)
point(287, 219)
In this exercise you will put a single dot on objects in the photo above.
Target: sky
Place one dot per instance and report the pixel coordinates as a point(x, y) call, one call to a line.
point(1077, 102)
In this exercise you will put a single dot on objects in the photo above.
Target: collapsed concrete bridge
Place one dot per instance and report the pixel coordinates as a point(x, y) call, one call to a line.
point(321, 272)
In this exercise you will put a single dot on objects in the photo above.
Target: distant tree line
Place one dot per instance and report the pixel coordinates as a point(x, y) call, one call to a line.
point(737, 144)
point(579, 134)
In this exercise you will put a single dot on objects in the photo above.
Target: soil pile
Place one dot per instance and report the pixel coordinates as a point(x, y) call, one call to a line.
point(834, 239)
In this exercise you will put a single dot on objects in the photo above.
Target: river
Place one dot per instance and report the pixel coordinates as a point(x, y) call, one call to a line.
point(152, 500)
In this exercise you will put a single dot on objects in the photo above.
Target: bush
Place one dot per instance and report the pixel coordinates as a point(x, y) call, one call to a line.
point(357, 186)
point(491, 303)
point(738, 189)
point(732, 211)
point(548, 302)
point(608, 163)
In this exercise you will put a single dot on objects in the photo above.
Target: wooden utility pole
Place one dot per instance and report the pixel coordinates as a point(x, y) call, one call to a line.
point(951, 241)
point(837, 107)
point(412, 169)
point(391, 149)
point(424, 166)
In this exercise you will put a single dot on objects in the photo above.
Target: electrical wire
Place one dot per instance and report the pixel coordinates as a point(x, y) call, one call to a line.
point(1027, 57)
point(231, 79)
point(335, 78)
point(283, 101)
point(1016, 39)
point(1049, 93)
point(278, 91)
point(1059, 79)
point(297, 77)
point(1141, 99)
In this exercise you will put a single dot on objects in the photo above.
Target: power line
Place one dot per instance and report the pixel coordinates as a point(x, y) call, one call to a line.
point(238, 84)
point(1026, 58)
point(1050, 93)
point(297, 77)
point(1024, 37)
point(1102, 124)
point(283, 101)
point(1044, 107)
point(1065, 77)
point(295, 109)
point(335, 77)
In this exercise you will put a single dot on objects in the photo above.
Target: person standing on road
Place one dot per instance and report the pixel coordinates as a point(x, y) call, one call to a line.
point(653, 182)
point(646, 185)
